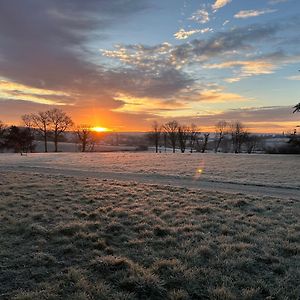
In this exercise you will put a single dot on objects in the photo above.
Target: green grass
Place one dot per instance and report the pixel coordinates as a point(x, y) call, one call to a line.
point(70, 238)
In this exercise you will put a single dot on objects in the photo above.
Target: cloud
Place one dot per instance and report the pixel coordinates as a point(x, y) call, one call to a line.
point(16, 91)
point(163, 70)
point(219, 96)
point(270, 119)
point(47, 59)
point(267, 119)
point(183, 34)
point(42, 44)
point(159, 83)
point(186, 103)
point(146, 71)
point(295, 77)
point(220, 3)
point(155, 106)
point(141, 56)
point(273, 2)
point(243, 14)
point(258, 114)
point(258, 65)
point(223, 43)
point(247, 68)
point(200, 16)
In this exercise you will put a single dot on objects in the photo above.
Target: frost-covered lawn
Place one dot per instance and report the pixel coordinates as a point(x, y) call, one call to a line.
point(71, 238)
point(273, 170)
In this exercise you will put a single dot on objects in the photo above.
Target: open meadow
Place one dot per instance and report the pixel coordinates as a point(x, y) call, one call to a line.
point(72, 227)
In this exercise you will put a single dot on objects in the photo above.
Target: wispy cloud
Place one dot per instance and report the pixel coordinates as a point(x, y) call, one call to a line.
point(200, 16)
point(248, 68)
point(220, 3)
point(219, 96)
point(184, 104)
point(183, 34)
point(272, 2)
point(243, 14)
point(295, 77)
point(266, 118)
point(16, 91)
point(263, 65)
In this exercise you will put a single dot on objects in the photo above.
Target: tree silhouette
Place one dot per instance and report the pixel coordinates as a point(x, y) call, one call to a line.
point(194, 135)
point(171, 129)
point(3, 129)
point(59, 122)
point(84, 136)
point(41, 123)
point(221, 131)
point(183, 136)
point(18, 139)
point(28, 122)
point(155, 134)
point(238, 134)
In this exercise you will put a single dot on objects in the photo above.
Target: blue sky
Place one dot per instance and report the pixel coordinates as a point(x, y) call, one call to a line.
point(123, 64)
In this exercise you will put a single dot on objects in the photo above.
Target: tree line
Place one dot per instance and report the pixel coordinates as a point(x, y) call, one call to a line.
point(175, 135)
point(50, 124)
point(227, 136)
point(53, 123)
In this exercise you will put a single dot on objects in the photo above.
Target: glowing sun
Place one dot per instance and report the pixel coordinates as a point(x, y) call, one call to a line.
point(100, 129)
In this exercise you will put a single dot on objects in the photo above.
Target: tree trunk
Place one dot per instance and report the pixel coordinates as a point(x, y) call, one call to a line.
point(83, 146)
point(55, 141)
point(218, 145)
point(206, 136)
point(45, 142)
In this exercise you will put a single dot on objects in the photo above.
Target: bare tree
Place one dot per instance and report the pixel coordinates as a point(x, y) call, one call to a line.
point(41, 123)
point(238, 135)
point(165, 138)
point(183, 136)
point(205, 142)
point(221, 131)
point(59, 123)
point(194, 135)
point(155, 134)
point(171, 129)
point(29, 123)
point(84, 134)
point(251, 142)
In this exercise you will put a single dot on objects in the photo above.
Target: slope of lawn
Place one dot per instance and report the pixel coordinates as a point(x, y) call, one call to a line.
point(259, 169)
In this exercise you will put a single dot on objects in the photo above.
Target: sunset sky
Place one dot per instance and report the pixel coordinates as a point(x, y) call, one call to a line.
point(121, 64)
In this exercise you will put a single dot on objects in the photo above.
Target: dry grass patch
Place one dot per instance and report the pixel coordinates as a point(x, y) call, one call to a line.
point(65, 238)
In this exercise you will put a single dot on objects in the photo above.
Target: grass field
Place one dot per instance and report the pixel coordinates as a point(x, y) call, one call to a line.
point(82, 238)
point(269, 170)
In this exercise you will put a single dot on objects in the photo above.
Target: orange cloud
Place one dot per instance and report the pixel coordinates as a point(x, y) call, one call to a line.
point(16, 91)
point(218, 96)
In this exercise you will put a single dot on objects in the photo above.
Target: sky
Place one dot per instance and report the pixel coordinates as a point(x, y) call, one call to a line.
point(123, 64)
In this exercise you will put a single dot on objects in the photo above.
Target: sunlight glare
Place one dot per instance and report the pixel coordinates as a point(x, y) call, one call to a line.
point(100, 129)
